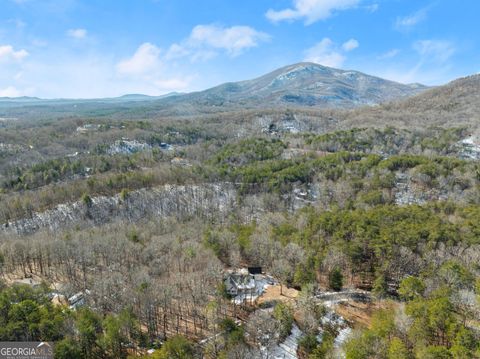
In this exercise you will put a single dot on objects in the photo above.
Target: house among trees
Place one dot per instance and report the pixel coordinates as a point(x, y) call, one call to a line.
point(240, 282)
point(246, 284)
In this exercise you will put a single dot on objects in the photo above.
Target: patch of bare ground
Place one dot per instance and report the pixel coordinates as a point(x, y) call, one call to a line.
point(359, 314)
point(275, 293)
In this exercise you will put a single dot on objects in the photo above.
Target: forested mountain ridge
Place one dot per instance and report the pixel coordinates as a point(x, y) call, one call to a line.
point(454, 104)
point(304, 85)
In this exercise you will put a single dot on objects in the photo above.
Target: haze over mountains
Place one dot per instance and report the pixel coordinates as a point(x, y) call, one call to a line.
point(297, 85)
point(27, 100)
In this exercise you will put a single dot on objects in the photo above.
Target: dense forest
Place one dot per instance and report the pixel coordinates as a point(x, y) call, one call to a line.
point(172, 188)
point(386, 213)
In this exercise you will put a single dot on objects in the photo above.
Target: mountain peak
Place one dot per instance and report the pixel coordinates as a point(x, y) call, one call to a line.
point(306, 84)
point(305, 67)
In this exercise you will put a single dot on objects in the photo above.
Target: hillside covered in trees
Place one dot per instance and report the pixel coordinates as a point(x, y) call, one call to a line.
point(121, 231)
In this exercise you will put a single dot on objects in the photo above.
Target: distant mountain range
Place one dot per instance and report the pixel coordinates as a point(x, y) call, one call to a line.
point(299, 85)
point(25, 100)
point(304, 84)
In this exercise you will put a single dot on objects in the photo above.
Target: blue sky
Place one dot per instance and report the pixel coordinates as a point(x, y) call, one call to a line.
point(86, 48)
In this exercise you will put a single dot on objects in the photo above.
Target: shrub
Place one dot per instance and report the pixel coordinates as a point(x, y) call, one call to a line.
point(87, 200)
point(335, 279)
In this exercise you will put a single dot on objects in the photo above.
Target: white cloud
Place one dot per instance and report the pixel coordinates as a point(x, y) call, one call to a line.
point(176, 51)
point(325, 53)
point(407, 22)
point(310, 10)
point(434, 50)
point(389, 54)
point(205, 41)
point(10, 92)
point(144, 60)
point(350, 45)
point(145, 72)
point(8, 53)
point(77, 33)
point(233, 39)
